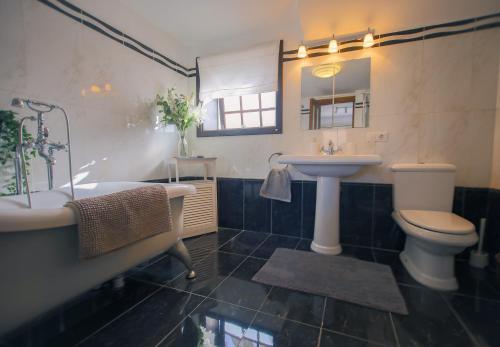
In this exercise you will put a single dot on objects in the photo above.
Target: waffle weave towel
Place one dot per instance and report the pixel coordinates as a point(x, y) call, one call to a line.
point(110, 222)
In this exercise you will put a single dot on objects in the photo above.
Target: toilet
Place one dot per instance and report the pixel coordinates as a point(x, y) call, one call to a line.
point(423, 200)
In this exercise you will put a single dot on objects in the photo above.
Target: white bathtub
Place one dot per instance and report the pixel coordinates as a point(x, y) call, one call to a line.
point(39, 264)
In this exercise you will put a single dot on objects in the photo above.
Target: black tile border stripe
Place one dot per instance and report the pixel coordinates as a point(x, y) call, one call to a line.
point(403, 36)
point(98, 25)
point(409, 35)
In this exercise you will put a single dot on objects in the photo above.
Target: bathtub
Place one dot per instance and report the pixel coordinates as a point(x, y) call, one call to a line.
point(39, 264)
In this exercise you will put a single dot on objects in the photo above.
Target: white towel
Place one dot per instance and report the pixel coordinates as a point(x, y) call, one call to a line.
point(277, 185)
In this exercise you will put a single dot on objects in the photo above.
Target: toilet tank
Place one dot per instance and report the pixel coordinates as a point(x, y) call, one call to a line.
point(423, 186)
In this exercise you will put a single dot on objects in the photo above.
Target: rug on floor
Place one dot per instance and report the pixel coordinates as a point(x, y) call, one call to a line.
point(348, 279)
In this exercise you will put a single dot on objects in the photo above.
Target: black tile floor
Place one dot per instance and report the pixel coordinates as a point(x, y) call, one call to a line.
point(159, 307)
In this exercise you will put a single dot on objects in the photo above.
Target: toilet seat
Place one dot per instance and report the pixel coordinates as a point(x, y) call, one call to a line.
point(428, 235)
point(438, 221)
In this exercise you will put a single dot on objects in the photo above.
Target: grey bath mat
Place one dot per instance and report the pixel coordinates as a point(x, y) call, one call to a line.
point(360, 282)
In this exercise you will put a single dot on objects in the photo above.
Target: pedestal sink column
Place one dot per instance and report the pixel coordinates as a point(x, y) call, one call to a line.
point(326, 227)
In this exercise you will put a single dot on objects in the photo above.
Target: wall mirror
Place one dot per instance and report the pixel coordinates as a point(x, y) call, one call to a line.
point(335, 95)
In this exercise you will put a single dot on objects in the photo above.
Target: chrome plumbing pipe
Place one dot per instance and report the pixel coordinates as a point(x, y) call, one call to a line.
point(44, 147)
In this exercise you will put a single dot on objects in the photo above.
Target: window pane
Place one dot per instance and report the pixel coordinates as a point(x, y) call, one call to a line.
point(250, 102)
point(269, 118)
point(211, 121)
point(268, 100)
point(232, 103)
point(251, 119)
point(233, 121)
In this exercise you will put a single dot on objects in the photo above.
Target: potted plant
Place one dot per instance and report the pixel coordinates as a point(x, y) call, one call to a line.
point(9, 139)
point(179, 110)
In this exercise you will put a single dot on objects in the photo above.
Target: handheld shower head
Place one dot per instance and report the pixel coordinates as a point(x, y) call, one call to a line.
point(34, 105)
point(16, 102)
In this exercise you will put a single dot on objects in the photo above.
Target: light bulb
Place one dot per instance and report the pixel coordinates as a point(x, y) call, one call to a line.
point(333, 46)
point(302, 52)
point(368, 40)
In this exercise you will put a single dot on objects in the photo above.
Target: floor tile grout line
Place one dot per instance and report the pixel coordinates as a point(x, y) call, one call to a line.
point(244, 307)
point(206, 256)
point(460, 321)
point(396, 337)
point(118, 317)
point(322, 322)
point(182, 321)
point(166, 254)
point(235, 269)
point(243, 255)
point(373, 248)
point(243, 206)
point(477, 297)
point(372, 217)
point(255, 314)
point(260, 244)
point(355, 337)
point(247, 308)
point(249, 256)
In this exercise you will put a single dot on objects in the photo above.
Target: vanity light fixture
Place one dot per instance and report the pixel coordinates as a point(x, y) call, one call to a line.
point(368, 40)
point(302, 51)
point(333, 46)
point(326, 70)
point(352, 39)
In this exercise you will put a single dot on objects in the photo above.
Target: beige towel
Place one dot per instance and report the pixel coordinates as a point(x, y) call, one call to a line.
point(109, 222)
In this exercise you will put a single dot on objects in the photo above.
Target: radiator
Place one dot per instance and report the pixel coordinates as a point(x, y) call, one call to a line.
point(200, 209)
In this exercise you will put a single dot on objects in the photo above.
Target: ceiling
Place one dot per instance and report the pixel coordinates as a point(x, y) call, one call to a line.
point(210, 26)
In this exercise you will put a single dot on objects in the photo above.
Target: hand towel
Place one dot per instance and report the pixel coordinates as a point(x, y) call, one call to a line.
point(277, 186)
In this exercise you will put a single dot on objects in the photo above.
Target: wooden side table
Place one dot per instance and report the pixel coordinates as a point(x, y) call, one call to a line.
point(200, 209)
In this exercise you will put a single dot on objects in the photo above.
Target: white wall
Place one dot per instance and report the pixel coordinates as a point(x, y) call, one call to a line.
point(437, 100)
point(495, 172)
point(47, 56)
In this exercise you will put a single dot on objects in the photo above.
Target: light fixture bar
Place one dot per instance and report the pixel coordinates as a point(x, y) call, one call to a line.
point(333, 45)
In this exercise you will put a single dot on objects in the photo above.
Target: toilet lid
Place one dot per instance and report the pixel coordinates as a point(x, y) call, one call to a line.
point(438, 221)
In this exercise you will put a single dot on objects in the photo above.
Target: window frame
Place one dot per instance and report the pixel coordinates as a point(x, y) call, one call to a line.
point(276, 129)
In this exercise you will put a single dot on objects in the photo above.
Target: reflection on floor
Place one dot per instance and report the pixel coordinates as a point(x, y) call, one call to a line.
point(223, 307)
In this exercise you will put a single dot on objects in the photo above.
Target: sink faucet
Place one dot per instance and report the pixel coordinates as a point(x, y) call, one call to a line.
point(330, 150)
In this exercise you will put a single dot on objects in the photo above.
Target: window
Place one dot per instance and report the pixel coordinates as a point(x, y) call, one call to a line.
point(243, 112)
point(256, 111)
point(242, 115)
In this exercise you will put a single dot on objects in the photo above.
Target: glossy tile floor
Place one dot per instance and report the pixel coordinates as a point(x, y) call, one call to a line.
point(158, 307)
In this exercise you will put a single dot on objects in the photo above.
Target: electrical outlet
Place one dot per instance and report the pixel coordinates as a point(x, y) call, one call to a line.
point(377, 136)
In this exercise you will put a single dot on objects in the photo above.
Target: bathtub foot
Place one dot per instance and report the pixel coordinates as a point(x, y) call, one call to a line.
point(180, 251)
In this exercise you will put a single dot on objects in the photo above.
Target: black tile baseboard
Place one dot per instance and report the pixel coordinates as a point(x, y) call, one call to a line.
point(365, 212)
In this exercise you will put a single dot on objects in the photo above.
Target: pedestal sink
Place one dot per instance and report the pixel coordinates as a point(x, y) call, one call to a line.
point(329, 169)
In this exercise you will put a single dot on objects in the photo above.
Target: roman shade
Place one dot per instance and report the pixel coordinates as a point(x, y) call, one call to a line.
point(249, 71)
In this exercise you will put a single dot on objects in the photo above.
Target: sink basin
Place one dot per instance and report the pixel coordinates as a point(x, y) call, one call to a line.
point(330, 165)
point(328, 169)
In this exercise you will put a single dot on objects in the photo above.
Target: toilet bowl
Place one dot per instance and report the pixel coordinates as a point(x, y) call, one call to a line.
point(423, 199)
point(433, 238)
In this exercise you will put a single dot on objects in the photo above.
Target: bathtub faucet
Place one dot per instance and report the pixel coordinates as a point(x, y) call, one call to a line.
point(46, 148)
point(41, 144)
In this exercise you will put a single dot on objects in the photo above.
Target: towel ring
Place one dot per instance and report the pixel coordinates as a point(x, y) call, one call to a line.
point(271, 157)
